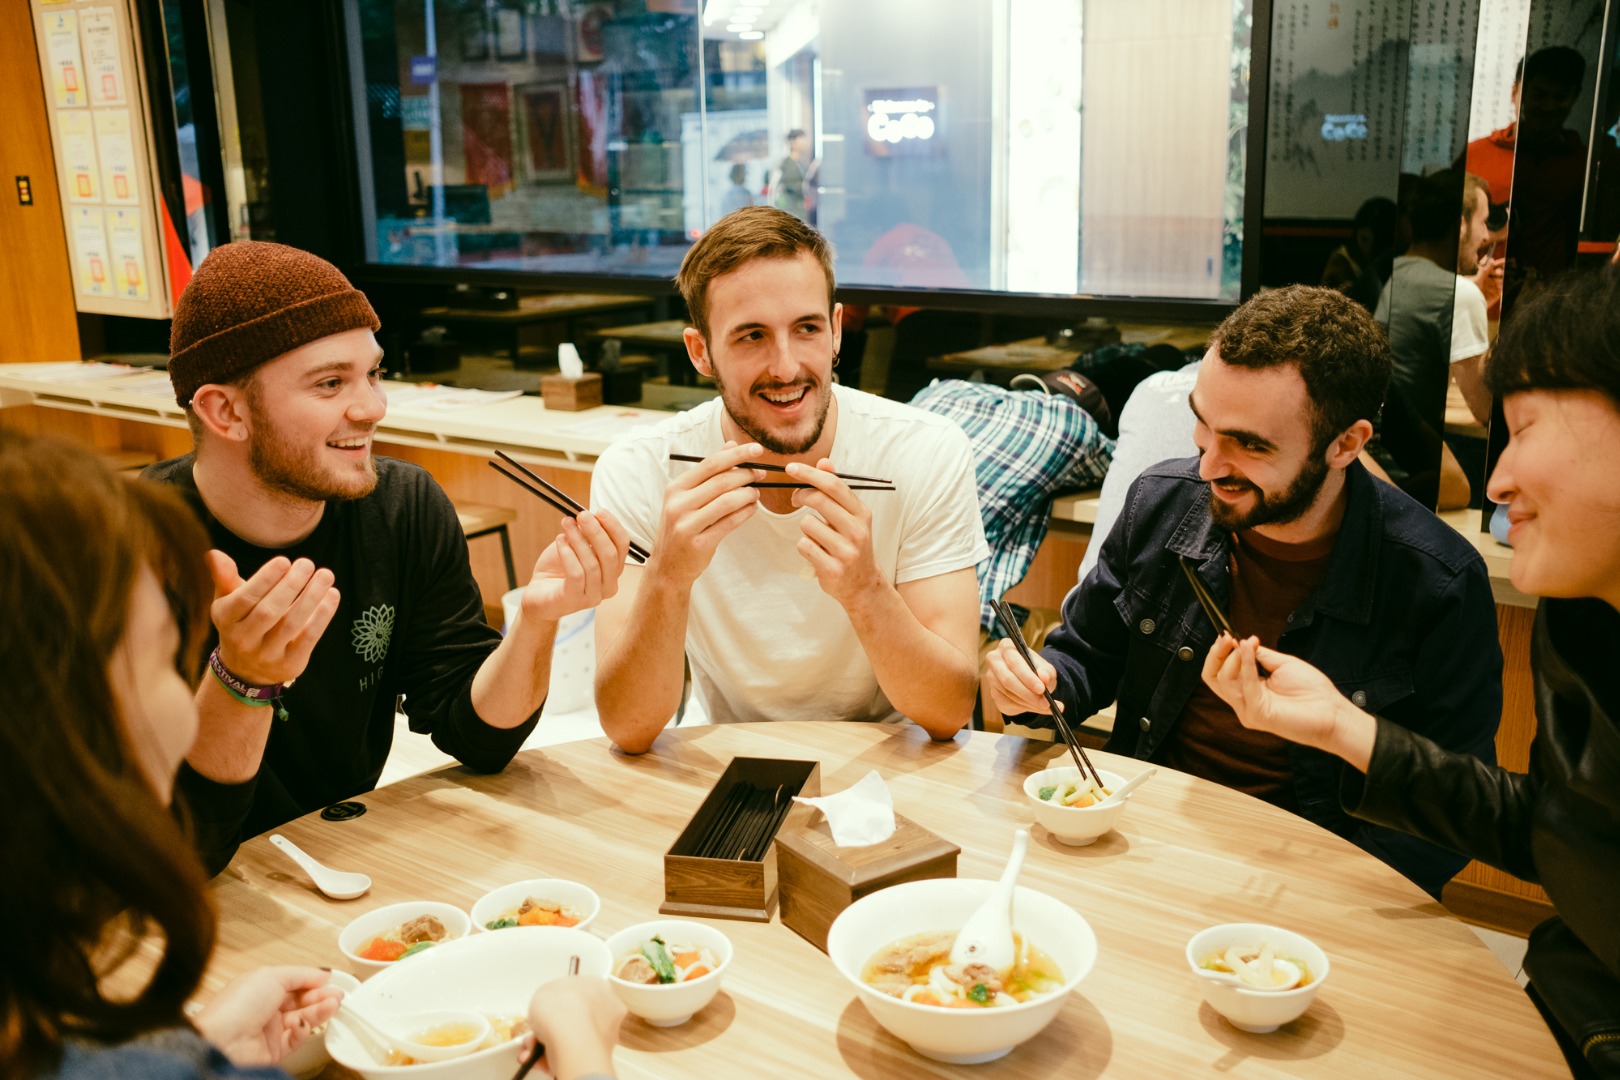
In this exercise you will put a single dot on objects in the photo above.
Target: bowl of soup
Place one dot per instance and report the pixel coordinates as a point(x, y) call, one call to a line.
point(667, 969)
point(1255, 995)
point(893, 946)
point(387, 935)
point(1069, 808)
point(536, 902)
point(495, 974)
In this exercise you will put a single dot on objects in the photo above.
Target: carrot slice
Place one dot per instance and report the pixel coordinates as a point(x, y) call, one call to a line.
point(381, 949)
point(696, 973)
point(686, 959)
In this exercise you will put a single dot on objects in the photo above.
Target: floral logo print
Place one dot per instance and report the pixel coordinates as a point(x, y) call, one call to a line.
point(371, 632)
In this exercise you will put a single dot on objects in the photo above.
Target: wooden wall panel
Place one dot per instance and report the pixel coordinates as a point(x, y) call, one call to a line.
point(36, 286)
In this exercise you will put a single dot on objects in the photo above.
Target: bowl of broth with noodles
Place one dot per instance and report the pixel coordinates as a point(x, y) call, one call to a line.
point(894, 948)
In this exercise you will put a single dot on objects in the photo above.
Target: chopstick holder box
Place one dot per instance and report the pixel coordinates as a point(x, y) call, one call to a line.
point(571, 395)
point(819, 879)
point(734, 888)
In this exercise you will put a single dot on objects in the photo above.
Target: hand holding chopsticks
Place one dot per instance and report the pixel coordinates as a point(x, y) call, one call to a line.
point(549, 493)
point(1015, 635)
point(576, 1025)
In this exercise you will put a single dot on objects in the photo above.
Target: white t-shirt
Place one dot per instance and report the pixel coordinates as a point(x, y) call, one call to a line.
point(765, 643)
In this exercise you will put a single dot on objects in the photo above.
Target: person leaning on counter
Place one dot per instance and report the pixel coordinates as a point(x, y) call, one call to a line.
point(1556, 368)
point(343, 571)
point(1303, 547)
point(792, 604)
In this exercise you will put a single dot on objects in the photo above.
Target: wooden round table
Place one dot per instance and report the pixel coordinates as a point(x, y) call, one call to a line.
point(1412, 992)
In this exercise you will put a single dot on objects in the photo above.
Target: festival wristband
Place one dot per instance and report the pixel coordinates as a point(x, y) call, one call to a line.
point(245, 692)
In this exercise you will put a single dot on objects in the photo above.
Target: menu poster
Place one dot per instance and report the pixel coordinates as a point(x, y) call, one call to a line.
point(79, 156)
point(91, 263)
point(116, 149)
point(104, 68)
point(128, 253)
point(67, 69)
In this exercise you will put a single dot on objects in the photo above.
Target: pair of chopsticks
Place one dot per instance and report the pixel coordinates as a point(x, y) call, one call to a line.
point(1205, 600)
point(556, 496)
point(864, 483)
point(1009, 623)
point(539, 1047)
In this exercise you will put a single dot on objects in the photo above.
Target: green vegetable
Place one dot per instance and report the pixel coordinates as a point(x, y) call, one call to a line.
point(501, 923)
point(980, 993)
point(418, 947)
point(1048, 792)
point(658, 957)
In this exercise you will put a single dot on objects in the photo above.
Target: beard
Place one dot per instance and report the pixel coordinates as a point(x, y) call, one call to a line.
point(296, 471)
point(785, 442)
point(1274, 509)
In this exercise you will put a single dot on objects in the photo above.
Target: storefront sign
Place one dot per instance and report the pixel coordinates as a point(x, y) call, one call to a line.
point(902, 121)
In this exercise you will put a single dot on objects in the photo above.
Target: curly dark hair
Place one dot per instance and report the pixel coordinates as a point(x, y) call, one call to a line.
point(1567, 337)
point(1342, 353)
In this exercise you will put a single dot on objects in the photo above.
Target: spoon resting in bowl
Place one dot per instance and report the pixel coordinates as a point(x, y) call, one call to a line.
point(1119, 793)
point(1285, 975)
point(987, 936)
point(434, 1035)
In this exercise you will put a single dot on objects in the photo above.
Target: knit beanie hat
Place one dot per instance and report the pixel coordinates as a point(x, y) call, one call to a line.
point(250, 302)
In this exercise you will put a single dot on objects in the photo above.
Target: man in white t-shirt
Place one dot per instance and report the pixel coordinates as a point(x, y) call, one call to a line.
point(816, 601)
point(1433, 308)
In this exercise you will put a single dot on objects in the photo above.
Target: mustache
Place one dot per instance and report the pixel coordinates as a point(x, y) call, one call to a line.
point(809, 383)
point(1238, 480)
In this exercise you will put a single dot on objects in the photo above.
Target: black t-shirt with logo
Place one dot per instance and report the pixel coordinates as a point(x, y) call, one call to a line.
point(411, 622)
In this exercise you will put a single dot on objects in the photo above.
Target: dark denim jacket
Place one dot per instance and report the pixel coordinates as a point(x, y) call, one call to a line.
point(1403, 623)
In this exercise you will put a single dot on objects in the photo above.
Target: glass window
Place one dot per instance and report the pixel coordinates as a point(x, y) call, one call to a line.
point(939, 146)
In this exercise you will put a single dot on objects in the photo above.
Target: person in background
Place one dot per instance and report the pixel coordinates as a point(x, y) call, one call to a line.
point(819, 602)
point(274, 360)
point(1557, 369)
point(737, 195)
point(793, 176)
point(1358, 268)
point(95, 720)
point(1298, 544)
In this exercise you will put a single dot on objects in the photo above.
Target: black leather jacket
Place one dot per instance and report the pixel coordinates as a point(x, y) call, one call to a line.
point(1558, 824)
point(1403, 623)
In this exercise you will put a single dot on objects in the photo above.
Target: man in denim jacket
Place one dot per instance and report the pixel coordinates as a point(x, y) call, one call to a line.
point(1301, 546)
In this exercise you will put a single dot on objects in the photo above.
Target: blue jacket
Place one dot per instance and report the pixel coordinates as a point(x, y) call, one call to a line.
point(1403, 623)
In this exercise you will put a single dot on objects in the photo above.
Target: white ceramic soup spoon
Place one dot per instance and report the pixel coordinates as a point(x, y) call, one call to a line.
point(461, 1031)
point(1286, 968)
point(334, 883)
point(1119, 793)
point(987, 936)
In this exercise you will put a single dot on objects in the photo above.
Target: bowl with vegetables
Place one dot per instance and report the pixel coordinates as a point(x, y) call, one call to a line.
point(1072, 807)
point(536, 902)
point(668, 969)
point(386, 935)
point(1258, 977)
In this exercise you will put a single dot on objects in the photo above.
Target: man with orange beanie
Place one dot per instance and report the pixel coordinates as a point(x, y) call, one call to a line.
point(341, 578)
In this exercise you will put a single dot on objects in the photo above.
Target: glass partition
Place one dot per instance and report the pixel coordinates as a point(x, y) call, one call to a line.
point(1036, 147)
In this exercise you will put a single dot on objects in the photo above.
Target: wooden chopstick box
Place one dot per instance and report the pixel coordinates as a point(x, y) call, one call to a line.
point(571, 395)
point(819, 879)
point(734, 888)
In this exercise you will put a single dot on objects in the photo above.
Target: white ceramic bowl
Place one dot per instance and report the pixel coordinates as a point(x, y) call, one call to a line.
point(1076, 826)
point(354, 937)
point(673, 1003)
point(1258, 1011)
point(311, 1057)
point(959, 1036)
point(489, 973)
point(570, 894)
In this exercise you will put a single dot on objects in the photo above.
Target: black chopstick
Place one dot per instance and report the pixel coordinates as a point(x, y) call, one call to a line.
point(556, 496)
point(539, 1047)
point(781, 468)
point(852, 487)
point(1205, 600)
point(1076, 751)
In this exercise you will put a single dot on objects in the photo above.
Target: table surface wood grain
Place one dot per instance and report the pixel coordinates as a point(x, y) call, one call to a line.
point(1412, 992)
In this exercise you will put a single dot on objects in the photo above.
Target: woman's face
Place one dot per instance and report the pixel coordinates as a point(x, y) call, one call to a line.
point(154, 700)
point(1557, 476)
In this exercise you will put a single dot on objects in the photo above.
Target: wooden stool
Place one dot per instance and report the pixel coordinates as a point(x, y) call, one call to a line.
point(478, 519)
point(126, 460)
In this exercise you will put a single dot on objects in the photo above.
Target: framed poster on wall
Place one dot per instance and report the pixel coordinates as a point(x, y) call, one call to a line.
point(101, 133)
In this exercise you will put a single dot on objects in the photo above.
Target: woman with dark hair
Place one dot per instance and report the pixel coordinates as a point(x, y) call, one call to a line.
point(1557, 369)
point(104, 598)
